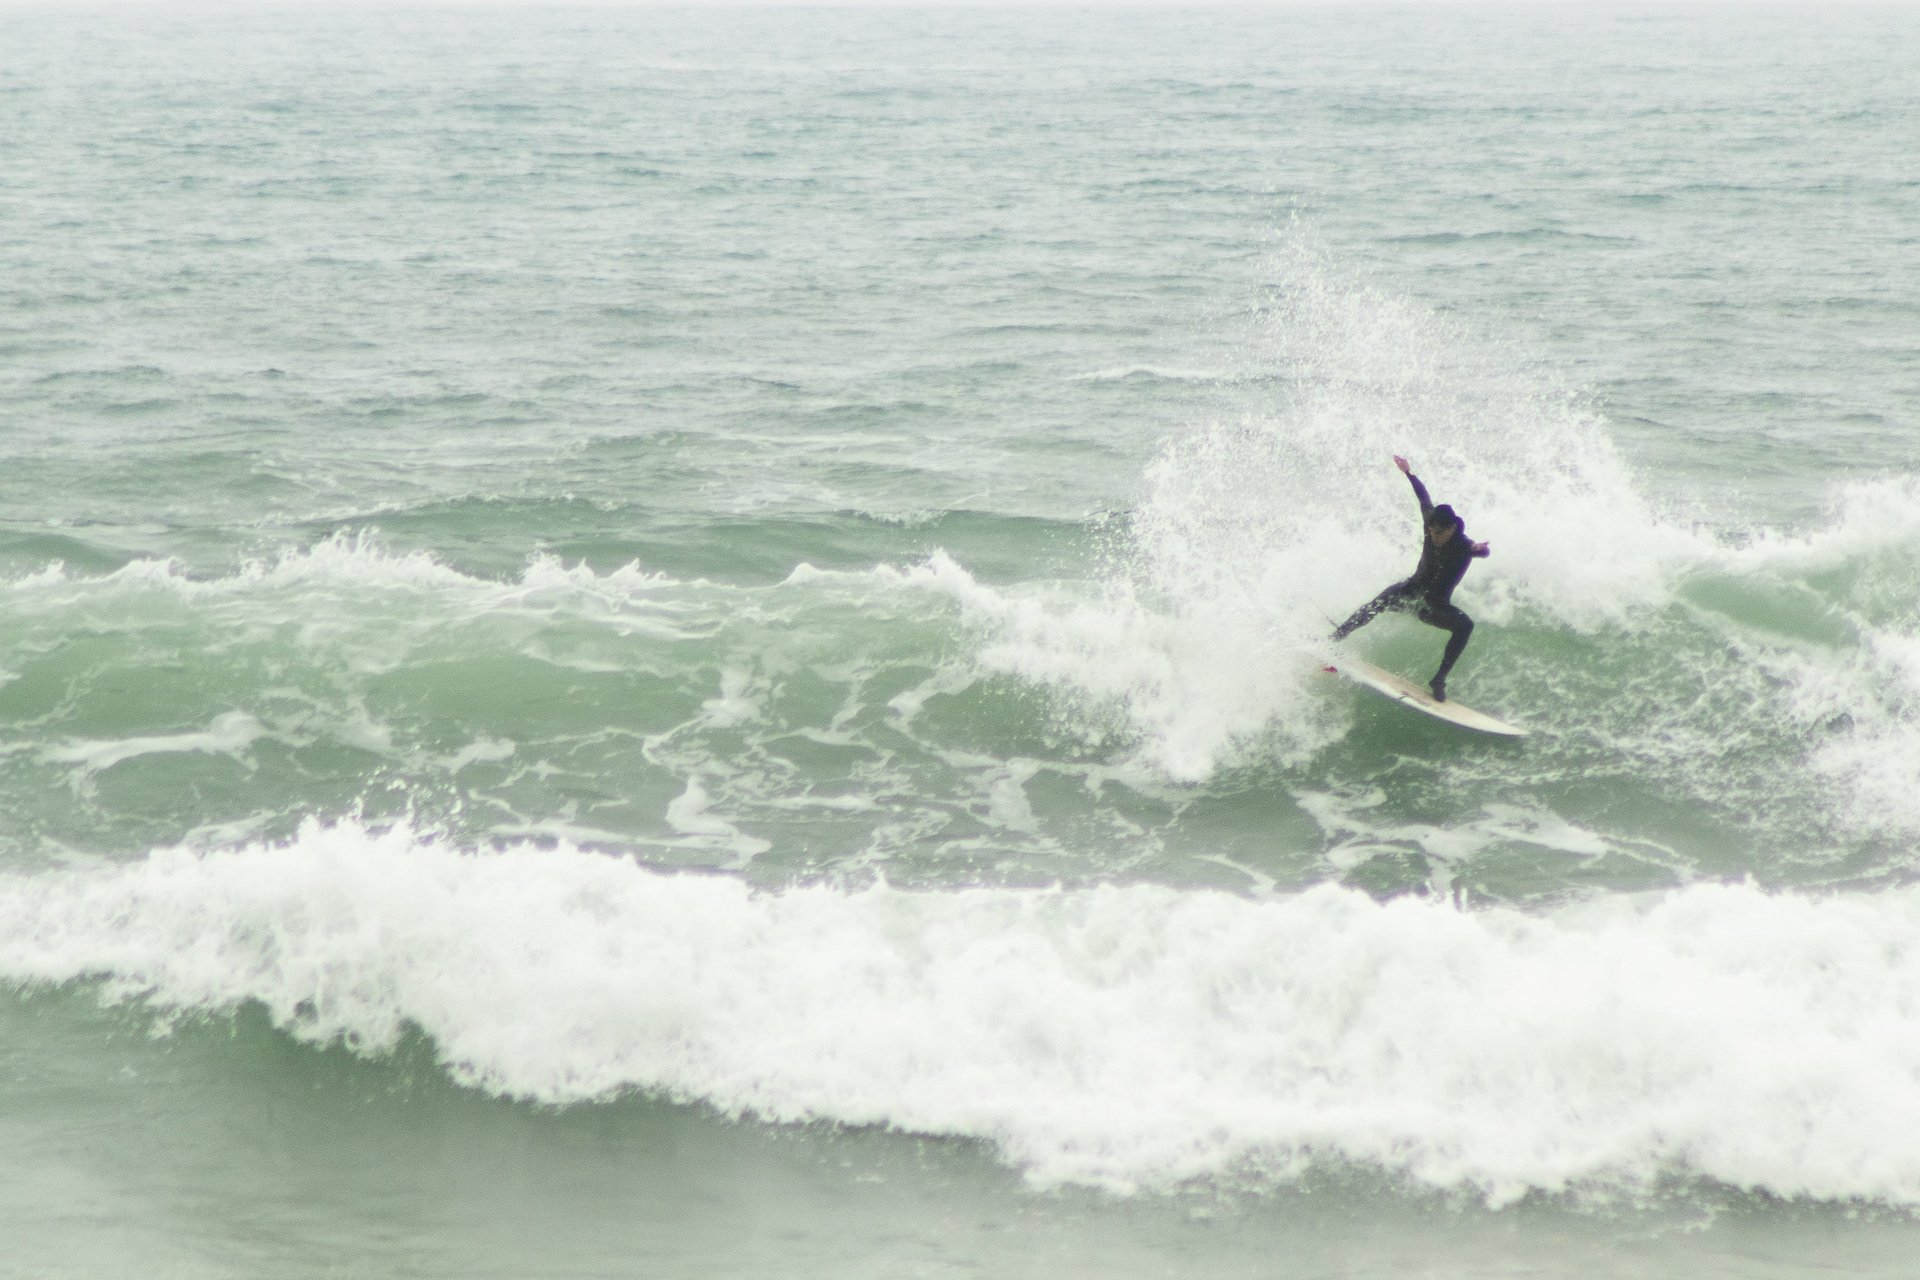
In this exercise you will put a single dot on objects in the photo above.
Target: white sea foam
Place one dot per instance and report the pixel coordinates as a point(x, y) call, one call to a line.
point(1132, 1037)
point(1192, 688)
point(350, 561)
point(691, 814)
point(229, 735)
point(1844, 652)
point(1864, 519)
point(373, 609)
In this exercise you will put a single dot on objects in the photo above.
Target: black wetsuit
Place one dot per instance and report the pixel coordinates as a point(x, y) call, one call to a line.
point(1429, 592)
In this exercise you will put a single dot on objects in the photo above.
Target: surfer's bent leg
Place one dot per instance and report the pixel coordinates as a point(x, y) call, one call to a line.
point(1448, 617)
point(1393, 597)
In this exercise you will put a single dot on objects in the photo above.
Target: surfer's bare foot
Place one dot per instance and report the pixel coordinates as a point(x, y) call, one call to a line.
point(1439, 686)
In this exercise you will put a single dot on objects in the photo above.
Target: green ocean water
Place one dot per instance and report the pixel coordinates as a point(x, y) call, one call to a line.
point(683, 642)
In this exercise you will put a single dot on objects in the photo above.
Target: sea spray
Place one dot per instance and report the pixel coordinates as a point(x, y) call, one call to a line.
point(1254, 531)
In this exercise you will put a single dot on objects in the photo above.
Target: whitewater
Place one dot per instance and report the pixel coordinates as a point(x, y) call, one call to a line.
point(1131, 1037)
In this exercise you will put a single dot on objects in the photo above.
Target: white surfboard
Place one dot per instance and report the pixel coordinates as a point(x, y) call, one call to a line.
point(1401, 689)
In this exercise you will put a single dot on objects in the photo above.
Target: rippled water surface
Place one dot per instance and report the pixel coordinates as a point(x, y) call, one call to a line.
point(687, 642)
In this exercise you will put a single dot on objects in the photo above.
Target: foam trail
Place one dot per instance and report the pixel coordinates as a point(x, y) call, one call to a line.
point(229, 735)
point(1131, 1037)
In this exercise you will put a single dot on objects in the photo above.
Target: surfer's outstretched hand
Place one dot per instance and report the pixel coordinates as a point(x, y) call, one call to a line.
point(1401, 463)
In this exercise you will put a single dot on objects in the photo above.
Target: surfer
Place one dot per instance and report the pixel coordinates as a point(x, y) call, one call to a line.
point(1444, 557)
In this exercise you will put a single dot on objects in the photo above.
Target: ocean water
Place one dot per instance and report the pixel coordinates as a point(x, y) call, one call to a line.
point(680, 643)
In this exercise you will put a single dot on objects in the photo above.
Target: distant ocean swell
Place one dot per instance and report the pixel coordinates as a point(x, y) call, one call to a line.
point(1133, 1038)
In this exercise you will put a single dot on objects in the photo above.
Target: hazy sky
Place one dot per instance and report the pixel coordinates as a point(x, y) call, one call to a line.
point(1811, 5)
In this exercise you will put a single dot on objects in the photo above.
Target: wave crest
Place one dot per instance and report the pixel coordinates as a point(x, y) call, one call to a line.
point(1131, 1037)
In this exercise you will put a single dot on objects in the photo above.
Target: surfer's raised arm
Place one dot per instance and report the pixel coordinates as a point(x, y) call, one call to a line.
point(1419, 490)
